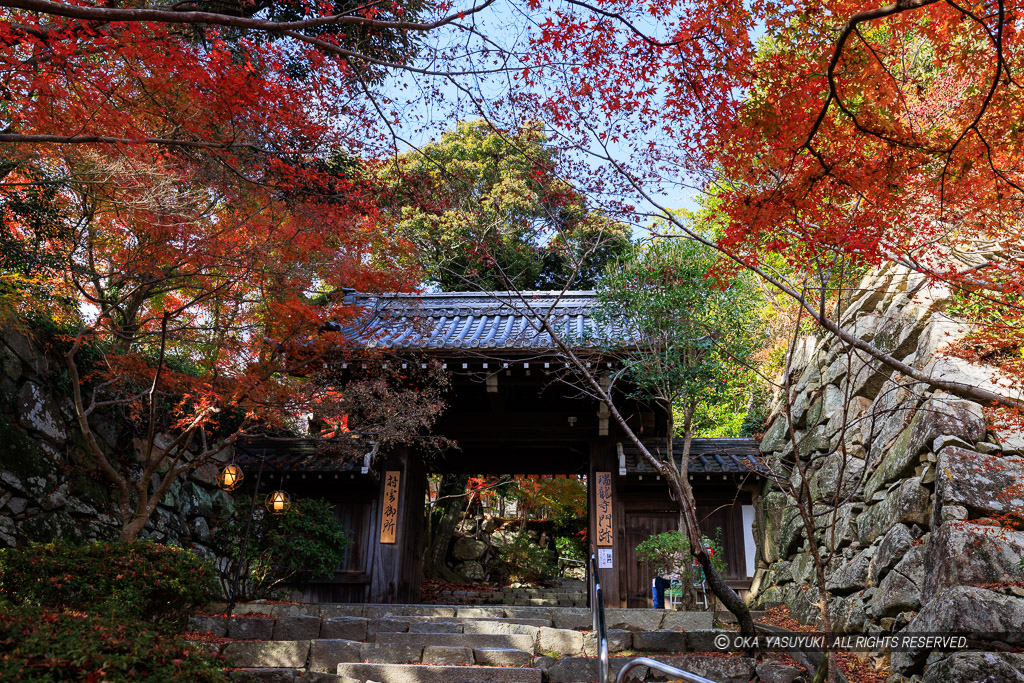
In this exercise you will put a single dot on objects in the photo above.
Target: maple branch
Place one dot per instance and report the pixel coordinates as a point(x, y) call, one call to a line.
point(997, 41)
point(108, 14)
point(151, 431)
point(992, 162)
point(625, 22)
point(886, 69)
point(29, 138)
point(338, 50)
point(897, 7)
point(116, 478)
point(956, 388)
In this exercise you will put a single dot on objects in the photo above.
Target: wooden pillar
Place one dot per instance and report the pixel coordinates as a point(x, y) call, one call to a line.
point(395, 567)
point(603, 459)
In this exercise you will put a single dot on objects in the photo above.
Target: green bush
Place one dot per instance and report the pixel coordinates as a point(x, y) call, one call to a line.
point(669, 552)
point(524, 561)
point(41, 644)
point(140, 581)
point(285, 551)
point(570, 547)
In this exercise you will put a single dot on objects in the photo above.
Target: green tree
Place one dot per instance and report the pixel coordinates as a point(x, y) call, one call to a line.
point(692, 329)
point(488, 210)
point(691, 325)
point(288, 550)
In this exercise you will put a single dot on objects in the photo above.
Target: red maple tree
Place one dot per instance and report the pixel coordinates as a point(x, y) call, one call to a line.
point(204, 169)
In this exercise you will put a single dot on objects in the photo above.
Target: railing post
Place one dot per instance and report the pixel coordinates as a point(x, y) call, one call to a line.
point(677, 674)
point(600, 631)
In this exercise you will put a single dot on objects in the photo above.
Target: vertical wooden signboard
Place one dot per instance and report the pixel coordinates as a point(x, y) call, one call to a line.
point(604, 508)
point(389, 507)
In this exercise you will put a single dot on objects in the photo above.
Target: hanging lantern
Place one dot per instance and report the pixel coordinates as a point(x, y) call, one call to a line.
point(230, 478)
point(278, 502)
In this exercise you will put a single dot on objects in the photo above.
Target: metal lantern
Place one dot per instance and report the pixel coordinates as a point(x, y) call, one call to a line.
point(230, 478)
point(278, 502)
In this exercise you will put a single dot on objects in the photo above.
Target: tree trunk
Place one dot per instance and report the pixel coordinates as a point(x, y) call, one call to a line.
point(689, 525)
point(689, 590)
point(689, 601)
point(451, 491)
point(732, 601)
point(130, 531)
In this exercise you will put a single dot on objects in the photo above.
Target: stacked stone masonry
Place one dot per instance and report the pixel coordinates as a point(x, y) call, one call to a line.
point(923, 495)
point(50, 489)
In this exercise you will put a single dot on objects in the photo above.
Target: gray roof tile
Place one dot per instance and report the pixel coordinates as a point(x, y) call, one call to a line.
point(707, 456)
point(478, 320)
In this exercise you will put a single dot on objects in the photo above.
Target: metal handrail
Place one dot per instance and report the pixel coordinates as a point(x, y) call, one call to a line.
point(601, 636)
point(663, 668)
point(600, 631)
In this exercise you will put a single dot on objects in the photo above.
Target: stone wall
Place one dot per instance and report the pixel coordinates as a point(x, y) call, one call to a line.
point(927, 497)
point(51, 489)
point(478, 542)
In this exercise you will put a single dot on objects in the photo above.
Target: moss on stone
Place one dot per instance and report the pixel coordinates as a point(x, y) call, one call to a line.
point(47, 526)
point(20, 455)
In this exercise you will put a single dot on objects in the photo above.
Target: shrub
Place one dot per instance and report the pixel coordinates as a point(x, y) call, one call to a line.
point(141, 580)
point(42, 644)
point(569, 547)
point(285, 551)
point(669, 552)
point(524, 561)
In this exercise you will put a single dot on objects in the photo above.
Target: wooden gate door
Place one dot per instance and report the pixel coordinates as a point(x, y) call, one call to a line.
point(728, 518)
point(639, 526)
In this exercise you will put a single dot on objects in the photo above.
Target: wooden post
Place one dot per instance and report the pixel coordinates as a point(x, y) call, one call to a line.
point(605, 532)
point(398, 528)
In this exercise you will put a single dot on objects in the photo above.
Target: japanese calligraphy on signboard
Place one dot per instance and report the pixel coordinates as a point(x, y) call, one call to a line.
point(604, 508)
point(389, 509)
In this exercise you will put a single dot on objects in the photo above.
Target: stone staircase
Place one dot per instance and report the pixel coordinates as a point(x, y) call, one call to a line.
point(343, 643)
point(568, 593)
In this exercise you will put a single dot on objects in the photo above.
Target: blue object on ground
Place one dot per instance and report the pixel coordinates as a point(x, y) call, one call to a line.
point(658, 587)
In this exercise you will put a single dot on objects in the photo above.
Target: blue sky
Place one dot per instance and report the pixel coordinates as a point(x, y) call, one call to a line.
point(426, 105)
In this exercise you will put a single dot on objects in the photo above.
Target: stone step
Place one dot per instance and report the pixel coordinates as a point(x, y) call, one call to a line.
point(523, 621)
point(721, 669)
point(262, 654)
point(420, 623)
point(303, 627)
point(502, 656)
point(330, 610)
point(472, 640)
point(347, 621)
point(398, 673)
point(732, 669)
point(499, 626)
point(324, 656)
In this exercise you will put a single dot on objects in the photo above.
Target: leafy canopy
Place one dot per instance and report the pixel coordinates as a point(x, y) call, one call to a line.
point(692, 323)
point(489, 210)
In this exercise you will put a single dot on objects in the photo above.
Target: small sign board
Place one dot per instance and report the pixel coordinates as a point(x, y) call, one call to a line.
point(389, 507)
point(603, 500)
point(604, 558)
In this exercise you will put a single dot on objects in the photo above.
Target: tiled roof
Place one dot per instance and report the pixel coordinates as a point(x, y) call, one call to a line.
point(474, 320)
point(291, 454)
point(707, 456)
